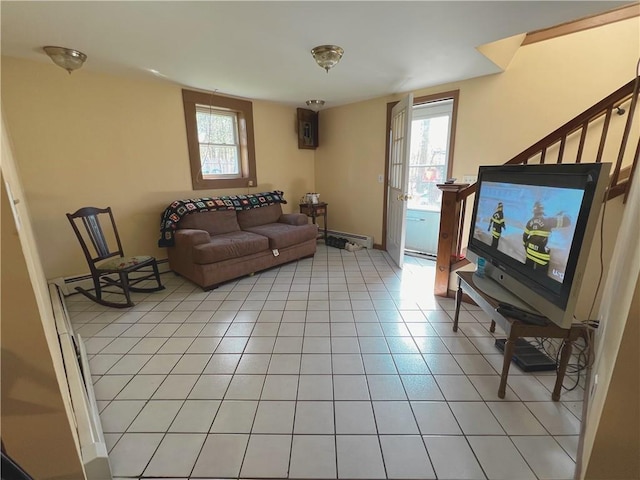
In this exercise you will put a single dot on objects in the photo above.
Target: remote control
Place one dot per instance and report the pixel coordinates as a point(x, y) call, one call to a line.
point(525, 317)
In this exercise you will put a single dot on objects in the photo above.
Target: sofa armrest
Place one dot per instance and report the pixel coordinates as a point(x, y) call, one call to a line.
point(191, 237)
point(293, 219)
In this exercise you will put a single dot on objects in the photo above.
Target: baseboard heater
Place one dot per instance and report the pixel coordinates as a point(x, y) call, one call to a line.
point(93, 447)
point(363, 240)
point(528, 357)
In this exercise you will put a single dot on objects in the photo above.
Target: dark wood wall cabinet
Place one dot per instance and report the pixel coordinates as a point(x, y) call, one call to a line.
point(307, 129)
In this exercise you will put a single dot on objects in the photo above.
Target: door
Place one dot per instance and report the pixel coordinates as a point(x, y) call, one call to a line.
point(398, 180)
point(428, 166)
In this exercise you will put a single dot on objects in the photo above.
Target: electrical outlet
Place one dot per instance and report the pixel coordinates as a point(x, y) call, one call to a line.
point(251, 183)
point(380, 178)
point(469, 178)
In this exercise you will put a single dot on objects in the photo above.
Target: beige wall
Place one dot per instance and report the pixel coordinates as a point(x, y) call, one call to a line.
point(35, 425)
point(546, 84)
point(348, 161)
point(616, 449)
point(614, 402)
point(93, 139)
point(36, 404)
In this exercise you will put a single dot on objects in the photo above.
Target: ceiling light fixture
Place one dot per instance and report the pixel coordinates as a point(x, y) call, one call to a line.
point(66, 58)
point(327, 56)
point(315, 105)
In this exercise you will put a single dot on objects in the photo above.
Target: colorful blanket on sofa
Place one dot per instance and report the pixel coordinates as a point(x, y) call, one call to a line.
point(178, 209)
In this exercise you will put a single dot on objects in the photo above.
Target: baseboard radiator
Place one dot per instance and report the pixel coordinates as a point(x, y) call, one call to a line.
point(93, 448)
point(364, 240)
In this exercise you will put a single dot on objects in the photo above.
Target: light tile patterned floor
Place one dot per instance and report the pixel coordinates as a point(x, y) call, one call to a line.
point(340, 366)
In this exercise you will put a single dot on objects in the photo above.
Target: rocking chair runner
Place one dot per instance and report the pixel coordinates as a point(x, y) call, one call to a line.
point(105, 261)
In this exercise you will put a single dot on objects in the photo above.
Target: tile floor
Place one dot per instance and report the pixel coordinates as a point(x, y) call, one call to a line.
point(340, 366)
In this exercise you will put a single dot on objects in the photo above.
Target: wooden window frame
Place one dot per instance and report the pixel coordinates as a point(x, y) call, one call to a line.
point(244, 111)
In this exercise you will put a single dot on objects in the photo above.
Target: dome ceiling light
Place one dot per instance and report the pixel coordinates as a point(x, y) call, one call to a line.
point(327, 56)
point(66, 58)
point(315, 105)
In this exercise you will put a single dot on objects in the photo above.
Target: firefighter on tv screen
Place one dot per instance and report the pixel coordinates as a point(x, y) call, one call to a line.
point(496, 225)
point(536, 236)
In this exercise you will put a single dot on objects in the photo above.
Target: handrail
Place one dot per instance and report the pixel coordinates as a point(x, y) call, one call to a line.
point(603, 107)
point(454, 197)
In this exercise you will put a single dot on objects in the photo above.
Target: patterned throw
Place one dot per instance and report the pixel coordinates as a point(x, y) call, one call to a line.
point(178, 209)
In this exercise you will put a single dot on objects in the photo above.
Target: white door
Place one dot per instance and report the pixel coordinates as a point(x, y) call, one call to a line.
point(397, 194)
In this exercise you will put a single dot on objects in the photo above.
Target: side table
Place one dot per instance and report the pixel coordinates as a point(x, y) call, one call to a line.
point(516, 329)
point(315, 210)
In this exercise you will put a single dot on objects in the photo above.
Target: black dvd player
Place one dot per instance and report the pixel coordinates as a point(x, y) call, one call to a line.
point(528, 357)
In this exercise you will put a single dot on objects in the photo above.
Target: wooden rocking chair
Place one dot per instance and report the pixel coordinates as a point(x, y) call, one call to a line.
point(109, 267)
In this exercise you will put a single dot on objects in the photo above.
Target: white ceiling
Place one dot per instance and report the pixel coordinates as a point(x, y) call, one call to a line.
point(261, 50)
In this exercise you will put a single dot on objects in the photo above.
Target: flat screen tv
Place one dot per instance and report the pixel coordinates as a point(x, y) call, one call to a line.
point(533, 225)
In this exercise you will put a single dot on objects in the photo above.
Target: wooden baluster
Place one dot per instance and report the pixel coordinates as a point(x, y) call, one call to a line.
point(583, 137)
point(563, 141)
point(625, 138)
point(605, 130)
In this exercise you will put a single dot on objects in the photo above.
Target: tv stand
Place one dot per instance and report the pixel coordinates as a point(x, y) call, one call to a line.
point(516, 329)
point(493, 289)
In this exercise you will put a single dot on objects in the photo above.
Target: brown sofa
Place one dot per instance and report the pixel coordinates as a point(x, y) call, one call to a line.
point(212, 247)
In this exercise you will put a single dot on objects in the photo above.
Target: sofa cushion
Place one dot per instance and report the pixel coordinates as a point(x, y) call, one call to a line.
point(215, 223)
point(229, 245)
point(259, 216)
point(293, 219)
point(281, 235)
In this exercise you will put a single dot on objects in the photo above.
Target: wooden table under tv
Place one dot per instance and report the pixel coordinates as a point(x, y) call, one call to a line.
point(515, 329)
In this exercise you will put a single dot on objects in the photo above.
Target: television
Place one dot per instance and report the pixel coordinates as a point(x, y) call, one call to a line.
point(533, 225)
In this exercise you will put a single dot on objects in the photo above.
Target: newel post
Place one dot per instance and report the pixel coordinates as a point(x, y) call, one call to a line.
point(448, 235)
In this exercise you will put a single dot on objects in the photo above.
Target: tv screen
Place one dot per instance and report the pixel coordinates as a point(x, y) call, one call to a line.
point(533, 224)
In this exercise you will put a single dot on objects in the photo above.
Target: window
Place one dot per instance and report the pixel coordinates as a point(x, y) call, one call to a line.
point(220, 141)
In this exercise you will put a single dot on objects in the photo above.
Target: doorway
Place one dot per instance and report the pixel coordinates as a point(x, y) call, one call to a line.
point(429, 165)
point(432, 165)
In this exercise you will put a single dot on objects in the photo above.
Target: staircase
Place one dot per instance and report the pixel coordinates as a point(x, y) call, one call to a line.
point(589, 137)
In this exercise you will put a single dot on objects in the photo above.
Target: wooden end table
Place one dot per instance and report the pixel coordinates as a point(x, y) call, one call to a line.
point(315, 210)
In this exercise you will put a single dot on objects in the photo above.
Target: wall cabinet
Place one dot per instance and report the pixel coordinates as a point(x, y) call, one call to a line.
point(307, 129)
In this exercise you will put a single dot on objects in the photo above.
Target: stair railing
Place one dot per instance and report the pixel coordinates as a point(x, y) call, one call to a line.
point(454, 196)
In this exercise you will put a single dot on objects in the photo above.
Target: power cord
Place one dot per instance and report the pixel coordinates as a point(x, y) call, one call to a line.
point(577, 368)
point(602, 218)
point(553, 349)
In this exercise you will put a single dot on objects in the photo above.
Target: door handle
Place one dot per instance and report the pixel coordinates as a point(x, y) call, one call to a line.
point(405, 197)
